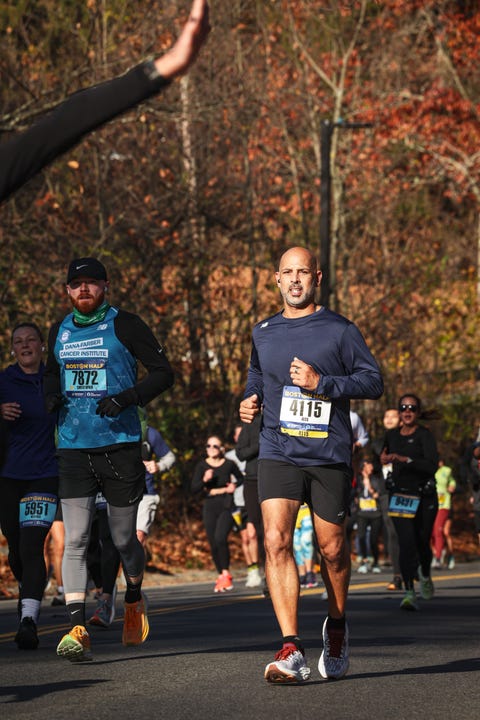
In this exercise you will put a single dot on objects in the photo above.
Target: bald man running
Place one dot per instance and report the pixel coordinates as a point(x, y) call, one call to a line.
point(306, 364)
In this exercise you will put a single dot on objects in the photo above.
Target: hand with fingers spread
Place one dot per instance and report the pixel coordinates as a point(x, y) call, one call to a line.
point(178, 59)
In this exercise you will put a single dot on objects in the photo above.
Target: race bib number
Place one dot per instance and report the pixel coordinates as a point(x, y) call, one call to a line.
point(304, 414)
point(404, 506)
point(86, 379)
point(367, 504)
point(38, 509)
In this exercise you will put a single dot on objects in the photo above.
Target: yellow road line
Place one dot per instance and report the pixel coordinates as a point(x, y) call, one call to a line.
point(228, 600)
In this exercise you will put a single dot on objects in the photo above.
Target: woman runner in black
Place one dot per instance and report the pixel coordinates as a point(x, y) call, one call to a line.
point(412, 450)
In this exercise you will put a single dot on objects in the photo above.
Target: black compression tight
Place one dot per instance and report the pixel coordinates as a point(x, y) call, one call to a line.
point(218, 523)
point(414, 540)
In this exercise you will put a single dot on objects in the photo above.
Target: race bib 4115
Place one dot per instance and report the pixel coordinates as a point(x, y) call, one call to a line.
point(304, 414)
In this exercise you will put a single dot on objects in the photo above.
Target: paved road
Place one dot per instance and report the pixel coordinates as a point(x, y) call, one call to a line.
point(205, 656)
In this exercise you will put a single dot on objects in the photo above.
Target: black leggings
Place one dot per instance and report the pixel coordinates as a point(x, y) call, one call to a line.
point(218, 522)
point(375, 527)
point(414, 540)
point(25, 544)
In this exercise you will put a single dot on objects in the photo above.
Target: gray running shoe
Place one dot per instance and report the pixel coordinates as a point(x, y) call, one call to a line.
point(334, 660)
point(289, 666)
point(409, 602)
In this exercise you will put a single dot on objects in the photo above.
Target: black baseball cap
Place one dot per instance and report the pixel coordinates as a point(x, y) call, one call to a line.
point(86, 267)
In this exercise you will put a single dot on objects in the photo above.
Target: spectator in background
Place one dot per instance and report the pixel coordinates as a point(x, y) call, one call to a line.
point(474, 474)
point(216, 478)
point(54, 548)
point(157, 457)
point(369, 515)
point(445, 488)
point(247, 449)
point(303, 548)
point(412, 451)
point(360, 441)
point(248, 534)
point(391, 420)
point(28, 476)
point(360, 435)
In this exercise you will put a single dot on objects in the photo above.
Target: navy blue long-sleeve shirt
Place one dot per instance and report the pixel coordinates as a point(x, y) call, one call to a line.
point(336, 350)
point(30, 441)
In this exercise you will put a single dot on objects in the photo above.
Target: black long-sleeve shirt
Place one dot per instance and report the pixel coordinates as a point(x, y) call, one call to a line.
point(222, 475)
point(421, 448)
point(25, 154)
point(248, 446)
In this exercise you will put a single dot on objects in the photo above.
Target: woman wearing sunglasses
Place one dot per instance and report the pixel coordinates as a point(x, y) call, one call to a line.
point(412, 450)
point(217, 477)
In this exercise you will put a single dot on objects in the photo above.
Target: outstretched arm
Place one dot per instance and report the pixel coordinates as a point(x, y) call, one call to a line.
point(181, 56)
point(27, 153)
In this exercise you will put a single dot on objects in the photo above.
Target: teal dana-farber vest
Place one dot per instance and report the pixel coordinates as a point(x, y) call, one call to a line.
point(94, 363)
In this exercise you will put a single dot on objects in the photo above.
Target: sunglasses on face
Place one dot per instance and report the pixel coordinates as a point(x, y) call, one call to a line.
point(412, 408)
point(217, 447)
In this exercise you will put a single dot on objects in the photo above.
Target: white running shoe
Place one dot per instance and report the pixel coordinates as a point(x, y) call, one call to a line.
point(289, 666)
point(254, 579)
point(334, 660)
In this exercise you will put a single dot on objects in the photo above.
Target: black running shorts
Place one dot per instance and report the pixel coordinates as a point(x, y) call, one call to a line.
point(118, 473)
point(326, 488)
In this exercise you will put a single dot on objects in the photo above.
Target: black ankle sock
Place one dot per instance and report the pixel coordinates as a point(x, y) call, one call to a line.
point(296, 641)
point(133, 592)
point(338, 623)
point(76, 613)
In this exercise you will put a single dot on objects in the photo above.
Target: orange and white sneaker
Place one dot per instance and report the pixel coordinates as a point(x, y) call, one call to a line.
point(224, 583)
point(135, 623)
point(75, 645)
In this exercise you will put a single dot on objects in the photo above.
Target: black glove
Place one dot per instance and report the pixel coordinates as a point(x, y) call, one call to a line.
point(53, 402)
point(112, 405)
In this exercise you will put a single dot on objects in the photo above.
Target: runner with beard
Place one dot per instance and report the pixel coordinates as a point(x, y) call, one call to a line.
point(91, 382)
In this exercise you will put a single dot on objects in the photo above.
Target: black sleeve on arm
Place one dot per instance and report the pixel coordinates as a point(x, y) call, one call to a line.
point(197, 484)
point(248, 443)
point(27, 153)
point(238, 473)
point(51, 377)
point(142, 343)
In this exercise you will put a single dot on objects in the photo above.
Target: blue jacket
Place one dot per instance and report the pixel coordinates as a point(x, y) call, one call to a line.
point(31, 438)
